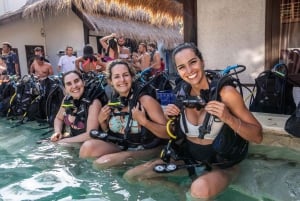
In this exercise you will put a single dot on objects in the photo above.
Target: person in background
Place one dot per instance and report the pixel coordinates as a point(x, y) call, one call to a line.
point(145, 128)
point(124, 52)
point(40, 68)
point(89, 62)
point(74, 112)
point(231, 113)
point(66, 62)
point(162, 65)
point(2, 68)
point(114, 47)
point(155, 59)
point(141, 60)
point(10, 59)
point(110, 46)
point(37, 51)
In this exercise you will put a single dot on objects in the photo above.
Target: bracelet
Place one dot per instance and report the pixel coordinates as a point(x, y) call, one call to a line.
point(240, 122)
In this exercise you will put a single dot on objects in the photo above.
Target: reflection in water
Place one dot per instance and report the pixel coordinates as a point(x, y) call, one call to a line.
point(46, 171)
point(41, 184)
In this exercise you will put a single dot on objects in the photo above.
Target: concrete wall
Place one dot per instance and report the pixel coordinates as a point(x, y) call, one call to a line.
point(9, 5)
point(61, 31)
point(231, 32)
point(19, 34)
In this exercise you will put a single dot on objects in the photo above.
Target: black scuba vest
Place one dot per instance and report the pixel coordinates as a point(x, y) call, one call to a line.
point(145, 138)
point(79, 109)
point(229, 148)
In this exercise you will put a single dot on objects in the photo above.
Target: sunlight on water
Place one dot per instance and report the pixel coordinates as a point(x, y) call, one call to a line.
point(45, 184)
point(32, 169)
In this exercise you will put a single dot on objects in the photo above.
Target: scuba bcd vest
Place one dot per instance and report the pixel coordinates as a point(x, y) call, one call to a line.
point(148, 140)
point(228, 146)
point(79, 108)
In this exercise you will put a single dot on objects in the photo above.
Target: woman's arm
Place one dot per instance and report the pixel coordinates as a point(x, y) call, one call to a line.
point(233, 111)
point(100, 66)
point(58, 125)
point(92, 123)
point(77, 61)
point(157, 122)
point(103, 118)
point(103, 40)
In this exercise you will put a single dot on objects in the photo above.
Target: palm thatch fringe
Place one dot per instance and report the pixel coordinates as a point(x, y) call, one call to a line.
point(147, 20)
point(135, 30)
point(39, 9)
point(158, 12)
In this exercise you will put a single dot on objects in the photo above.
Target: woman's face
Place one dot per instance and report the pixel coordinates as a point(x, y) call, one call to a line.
point(74, 85)
point(121, 79)
point(189, 66)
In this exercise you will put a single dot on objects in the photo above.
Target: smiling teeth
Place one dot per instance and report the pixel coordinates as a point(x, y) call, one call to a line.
point(192, 76)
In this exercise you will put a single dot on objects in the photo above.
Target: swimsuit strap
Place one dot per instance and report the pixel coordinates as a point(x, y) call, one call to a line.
point(86, 62)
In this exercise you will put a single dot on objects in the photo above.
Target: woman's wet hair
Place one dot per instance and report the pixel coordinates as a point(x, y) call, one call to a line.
point(88, 50)
point(88, 53)
point(112, 43)
point(184, 46)
point(70, 72)
point(116, 62)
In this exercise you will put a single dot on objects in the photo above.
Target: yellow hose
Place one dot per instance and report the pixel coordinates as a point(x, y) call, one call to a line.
point(169, 129)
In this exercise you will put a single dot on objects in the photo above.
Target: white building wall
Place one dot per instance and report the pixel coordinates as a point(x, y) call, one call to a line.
point(21, 33)
point(232, 32)
point(10, 5)
point(61, 31)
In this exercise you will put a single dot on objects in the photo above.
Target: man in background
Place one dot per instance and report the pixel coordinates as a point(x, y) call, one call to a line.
point(66, 62)
point(141, 60)
point(10, 59)
point(41, 68)
point(37, 51)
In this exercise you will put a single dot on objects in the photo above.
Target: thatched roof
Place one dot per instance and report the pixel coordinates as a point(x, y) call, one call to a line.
point(135, 30)
point(155, 20)
point(158, 12)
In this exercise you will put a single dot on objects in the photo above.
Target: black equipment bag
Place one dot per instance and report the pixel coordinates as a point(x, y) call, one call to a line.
point(292, 124)
point(273, 92)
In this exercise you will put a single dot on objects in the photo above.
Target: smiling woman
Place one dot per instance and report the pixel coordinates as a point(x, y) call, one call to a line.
point(80, 116)
point(134, 130)
point(45, 171)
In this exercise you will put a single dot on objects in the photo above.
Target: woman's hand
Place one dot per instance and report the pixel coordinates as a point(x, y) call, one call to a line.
point(104, 114)
point(218, 109)
point(171, 110)
point(56, 137)
point(139, 114)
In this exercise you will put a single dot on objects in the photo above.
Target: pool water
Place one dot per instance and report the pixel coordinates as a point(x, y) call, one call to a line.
point(31, 169)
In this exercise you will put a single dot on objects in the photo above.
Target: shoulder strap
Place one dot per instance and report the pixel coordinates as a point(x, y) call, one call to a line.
point(215, 87)
point(87, 61)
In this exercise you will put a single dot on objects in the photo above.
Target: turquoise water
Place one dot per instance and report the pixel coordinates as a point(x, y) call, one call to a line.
point(45, 171)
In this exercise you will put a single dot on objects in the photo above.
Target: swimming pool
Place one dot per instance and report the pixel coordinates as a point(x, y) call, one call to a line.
point(45, 171)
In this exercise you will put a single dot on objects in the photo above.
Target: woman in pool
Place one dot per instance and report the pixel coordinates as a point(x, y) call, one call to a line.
point(75, 113)
point(232, 114)
point(134, 129)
